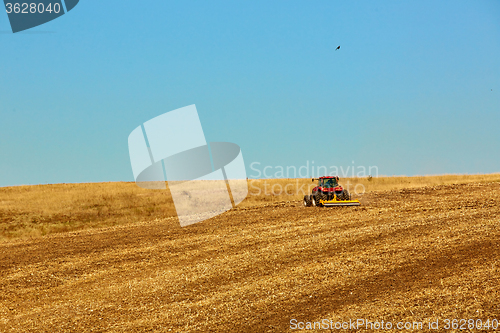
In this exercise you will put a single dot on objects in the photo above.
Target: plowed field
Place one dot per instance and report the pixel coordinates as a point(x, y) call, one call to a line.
point(408, 255)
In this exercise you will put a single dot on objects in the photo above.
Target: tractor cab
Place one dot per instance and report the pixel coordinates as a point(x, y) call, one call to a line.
point(328, 183)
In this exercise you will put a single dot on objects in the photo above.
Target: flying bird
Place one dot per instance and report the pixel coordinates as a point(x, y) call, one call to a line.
point(338, 48)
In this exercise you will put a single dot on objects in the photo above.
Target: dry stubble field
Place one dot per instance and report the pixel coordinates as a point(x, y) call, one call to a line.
point(410, 253)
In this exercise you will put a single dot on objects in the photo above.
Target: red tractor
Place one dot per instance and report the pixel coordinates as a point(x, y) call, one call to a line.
point(329, 193)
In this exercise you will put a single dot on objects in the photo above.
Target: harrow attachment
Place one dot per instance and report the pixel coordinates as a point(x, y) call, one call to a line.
point(329, 203)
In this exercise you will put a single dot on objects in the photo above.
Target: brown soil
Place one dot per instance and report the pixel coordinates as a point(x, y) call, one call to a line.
point(405, 255)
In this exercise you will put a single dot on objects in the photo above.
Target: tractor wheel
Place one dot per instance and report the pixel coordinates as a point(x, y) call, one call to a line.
point(344, 195)
point(307, 201)
point(317, 197)
point(313, 200)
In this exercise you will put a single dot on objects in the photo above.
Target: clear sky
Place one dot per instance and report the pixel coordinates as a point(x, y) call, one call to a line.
point(414, 89)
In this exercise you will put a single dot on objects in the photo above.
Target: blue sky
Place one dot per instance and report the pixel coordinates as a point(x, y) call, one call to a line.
point(414, 89)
